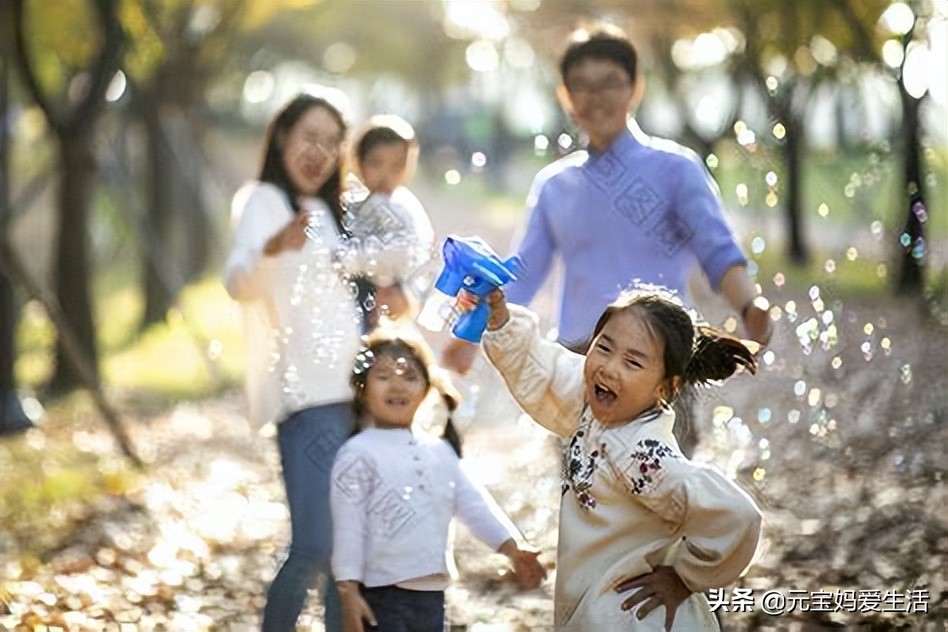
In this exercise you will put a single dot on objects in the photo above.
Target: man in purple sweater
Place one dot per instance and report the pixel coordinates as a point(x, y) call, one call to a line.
point(629, 208)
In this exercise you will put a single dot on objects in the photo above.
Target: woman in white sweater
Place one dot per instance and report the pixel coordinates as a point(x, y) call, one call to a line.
point(635, 515)
point(302, 330)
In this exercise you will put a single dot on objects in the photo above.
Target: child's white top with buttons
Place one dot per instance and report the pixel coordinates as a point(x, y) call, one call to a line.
point(393, 494)
point(630, 502)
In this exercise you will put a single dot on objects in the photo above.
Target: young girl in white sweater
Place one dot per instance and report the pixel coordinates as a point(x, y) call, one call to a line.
point(394, 492)
point(643, 530)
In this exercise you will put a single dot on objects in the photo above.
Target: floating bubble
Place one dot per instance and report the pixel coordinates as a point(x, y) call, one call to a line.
point(814, 397)
point(763, 416)
point(807, 332)
point(876, 229)
point(540, 144)
point(830, 266)
point(799, 388)
point(771, 199)
point(791, 309)
point(827, 317)
point(793, 416)
point(818, 305)
point(905, 239)
point(905, 373)
point(823, 209)
point(759, 474)
point(779, 279)
point(214, 349)
point(478, 160)
point(757, 245)
point(769, 357)
point(779, 131)
point(730, 324)
point(868, 329)
point(851, 253)
point(831, 400)
point(722, 415)
point(886, 345)
point(711, 161)
point(837, 362)
point(741, 191)
point(775, 313)
point(814, 292)
point(918, 251)
point(771, 178)
point(452, 177)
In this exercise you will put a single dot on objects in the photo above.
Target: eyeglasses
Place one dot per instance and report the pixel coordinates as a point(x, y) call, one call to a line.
point(325, 145)
point(609, 88)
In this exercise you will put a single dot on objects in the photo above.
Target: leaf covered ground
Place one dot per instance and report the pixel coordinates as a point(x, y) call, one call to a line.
point(841, 440)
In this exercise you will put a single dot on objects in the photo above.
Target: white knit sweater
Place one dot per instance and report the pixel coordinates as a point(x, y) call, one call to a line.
point(301, 323)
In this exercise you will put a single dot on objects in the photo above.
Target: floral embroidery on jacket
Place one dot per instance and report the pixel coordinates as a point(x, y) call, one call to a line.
point(580, 466)
point(646, 461)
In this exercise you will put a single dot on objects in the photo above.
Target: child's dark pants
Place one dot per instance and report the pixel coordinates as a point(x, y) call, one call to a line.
point(401, 610)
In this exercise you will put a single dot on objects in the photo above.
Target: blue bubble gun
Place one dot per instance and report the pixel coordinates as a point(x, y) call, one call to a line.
point(469, 264)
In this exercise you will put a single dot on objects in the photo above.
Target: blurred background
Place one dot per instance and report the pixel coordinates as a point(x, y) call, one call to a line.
point(126, 126)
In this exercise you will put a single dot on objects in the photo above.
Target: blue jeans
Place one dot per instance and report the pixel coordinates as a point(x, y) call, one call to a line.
point(401, 610)
point(309, 440)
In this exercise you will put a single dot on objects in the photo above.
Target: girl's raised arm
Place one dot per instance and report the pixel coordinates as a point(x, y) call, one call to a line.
point(544, 377)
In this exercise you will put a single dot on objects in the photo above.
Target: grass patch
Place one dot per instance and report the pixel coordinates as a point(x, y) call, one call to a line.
point(50, 477)
point(196, 352)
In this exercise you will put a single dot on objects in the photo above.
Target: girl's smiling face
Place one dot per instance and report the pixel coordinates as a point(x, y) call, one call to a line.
point(624, 372)
point(394, 389)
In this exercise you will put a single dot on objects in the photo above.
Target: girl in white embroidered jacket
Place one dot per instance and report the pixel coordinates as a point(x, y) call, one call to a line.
point(641, 526)
point(394, 492)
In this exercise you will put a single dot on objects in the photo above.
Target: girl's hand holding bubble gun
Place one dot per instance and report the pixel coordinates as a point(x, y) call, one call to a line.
point(470, 264)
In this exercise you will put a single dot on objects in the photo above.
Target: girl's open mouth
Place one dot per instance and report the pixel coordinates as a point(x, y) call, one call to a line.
point(604, 396)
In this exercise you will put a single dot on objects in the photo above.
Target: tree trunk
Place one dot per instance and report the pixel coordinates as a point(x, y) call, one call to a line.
point(12, 417)
point(158, 259)
point(912, 238)
point(193, 211)
point(797, 249)
point(72, 254)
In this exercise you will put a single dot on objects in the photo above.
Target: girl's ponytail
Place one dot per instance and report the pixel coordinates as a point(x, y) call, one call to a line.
point(451, 398)
point(715, 356)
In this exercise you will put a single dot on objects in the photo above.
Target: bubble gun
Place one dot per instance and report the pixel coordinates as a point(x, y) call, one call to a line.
point(469, 264)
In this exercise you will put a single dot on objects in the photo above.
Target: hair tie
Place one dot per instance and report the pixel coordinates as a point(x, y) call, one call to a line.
point(363, 361)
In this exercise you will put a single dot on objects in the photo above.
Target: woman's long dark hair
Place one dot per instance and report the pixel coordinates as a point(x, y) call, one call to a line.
point(697, 353)
point(384, 342)
point(273, 169)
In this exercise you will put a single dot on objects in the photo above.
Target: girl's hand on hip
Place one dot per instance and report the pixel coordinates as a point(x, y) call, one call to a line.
point(661, 587)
